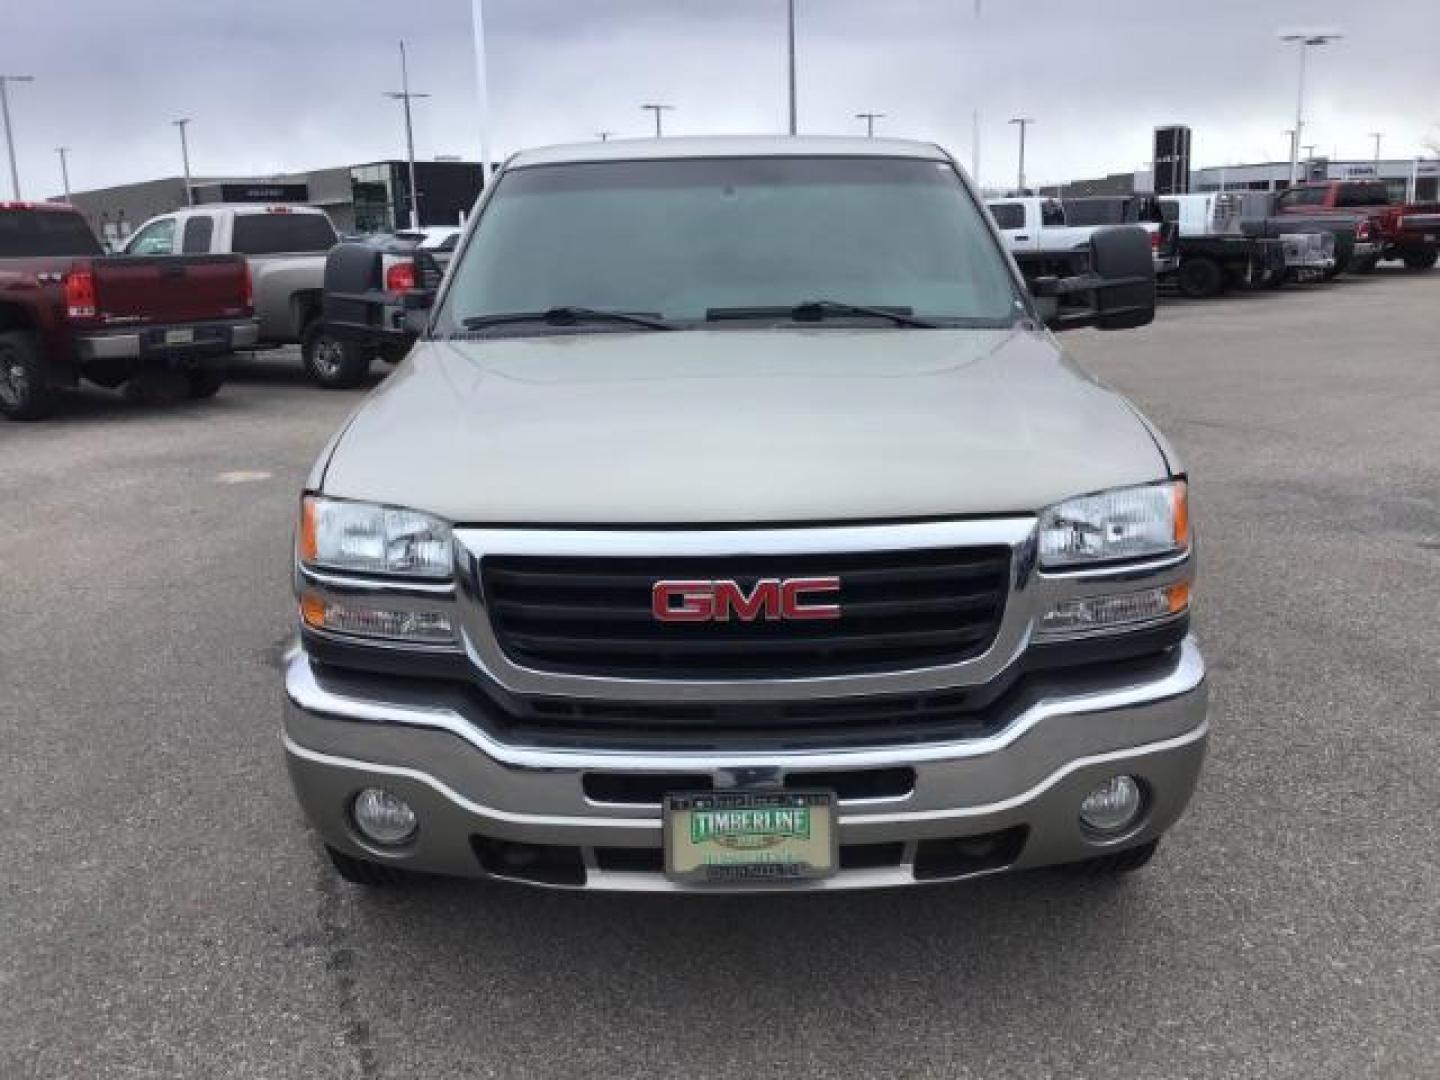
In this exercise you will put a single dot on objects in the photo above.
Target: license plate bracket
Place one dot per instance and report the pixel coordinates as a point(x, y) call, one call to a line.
point(749, 837)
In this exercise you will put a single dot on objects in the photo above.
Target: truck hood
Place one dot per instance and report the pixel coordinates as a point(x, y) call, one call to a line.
point(738, 426)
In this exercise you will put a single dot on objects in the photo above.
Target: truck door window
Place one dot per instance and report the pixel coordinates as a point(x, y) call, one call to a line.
point(157, 238)
point(198, 231)
point(1008, 215)
point(1052, 215)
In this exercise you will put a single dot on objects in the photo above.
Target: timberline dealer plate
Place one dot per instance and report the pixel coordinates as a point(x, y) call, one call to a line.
point(747, 837)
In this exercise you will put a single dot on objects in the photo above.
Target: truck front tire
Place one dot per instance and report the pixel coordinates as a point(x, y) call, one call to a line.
point(24, 392)
point(331, 362)
point(1363, 266)
point(1200, 278)
point(1421, 260)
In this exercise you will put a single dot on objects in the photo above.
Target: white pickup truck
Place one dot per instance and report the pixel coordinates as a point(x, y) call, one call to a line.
point(285, 247)
point(1036, 230)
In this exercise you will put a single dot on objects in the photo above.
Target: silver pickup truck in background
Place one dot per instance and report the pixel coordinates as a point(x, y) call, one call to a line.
point(285, 246)
point(738, 523)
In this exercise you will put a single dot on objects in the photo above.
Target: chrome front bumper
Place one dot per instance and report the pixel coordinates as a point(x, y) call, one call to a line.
point(464, 783)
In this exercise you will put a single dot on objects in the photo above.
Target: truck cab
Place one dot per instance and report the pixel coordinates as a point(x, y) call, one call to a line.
point(285, 246)
point(738, 523)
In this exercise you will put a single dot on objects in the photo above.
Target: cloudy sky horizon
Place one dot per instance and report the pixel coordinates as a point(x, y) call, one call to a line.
point(287, 85)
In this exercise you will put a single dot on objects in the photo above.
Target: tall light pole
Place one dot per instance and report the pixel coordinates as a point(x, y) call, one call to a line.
point(9, 136)
point(658, 110)
point(482, 87)
point(790, 24)
point(1022, 122)
point(604, 136)
point(182, 123)
point(869, 118)
point(1377, 136)
point(404, 96)
point(1305, 39)
point(64, 169)
point(975, 121)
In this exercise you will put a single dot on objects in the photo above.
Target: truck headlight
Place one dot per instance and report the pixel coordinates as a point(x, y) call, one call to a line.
point(363, 538)
point(1124, 523)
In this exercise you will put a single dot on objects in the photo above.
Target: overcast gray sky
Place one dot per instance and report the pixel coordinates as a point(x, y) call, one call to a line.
point(276, 85)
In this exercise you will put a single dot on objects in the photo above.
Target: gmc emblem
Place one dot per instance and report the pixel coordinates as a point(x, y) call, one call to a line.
point(773, 599)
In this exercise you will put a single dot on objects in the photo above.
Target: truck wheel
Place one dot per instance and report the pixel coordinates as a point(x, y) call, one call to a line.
point(204, 382)
point(334, 364)
point(1363, 266)
point(1421, 260)
point(1200, 278)
point(1119, 862)
point(24, 393)
point(361, 871)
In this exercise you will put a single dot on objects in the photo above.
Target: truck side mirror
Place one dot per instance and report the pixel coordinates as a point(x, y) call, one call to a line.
point(1121, 259)
point(1115, 291)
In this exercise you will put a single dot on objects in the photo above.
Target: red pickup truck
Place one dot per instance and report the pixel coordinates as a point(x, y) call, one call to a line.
point(158, 326)
point(1407, 231)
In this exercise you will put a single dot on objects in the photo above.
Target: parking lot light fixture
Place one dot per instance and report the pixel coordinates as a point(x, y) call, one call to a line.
point(64, 169)
point(9, 135)
point(1304, 39)
point(185, 158)
point(1022, 122)
point(405, 95)
point(659, 111)
point(869, 118)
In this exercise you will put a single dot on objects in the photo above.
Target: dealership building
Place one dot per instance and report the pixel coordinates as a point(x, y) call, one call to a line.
point(1409, 179)
point(367, 198)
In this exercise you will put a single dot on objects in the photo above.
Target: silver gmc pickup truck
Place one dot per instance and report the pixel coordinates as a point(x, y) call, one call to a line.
point(736, 523)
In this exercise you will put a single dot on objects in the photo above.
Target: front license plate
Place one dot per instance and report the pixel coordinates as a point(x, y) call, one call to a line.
point(739, 837)
point(179, 337)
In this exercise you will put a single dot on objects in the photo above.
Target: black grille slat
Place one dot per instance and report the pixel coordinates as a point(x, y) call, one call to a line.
point(899, 610)
point(736, 642)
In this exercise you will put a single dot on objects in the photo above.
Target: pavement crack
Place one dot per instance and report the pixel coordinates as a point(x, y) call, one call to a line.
point(355, 1032)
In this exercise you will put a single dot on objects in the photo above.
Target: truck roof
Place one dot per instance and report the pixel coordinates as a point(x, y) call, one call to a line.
point(726, 146)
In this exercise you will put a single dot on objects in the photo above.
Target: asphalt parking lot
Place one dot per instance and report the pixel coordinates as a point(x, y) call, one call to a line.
point(163, 911)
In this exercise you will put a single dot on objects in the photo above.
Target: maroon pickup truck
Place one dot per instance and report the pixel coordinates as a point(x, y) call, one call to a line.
point(1407, 231)
point(158, 326)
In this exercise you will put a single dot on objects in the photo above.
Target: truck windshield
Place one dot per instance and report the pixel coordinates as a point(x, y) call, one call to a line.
point(683, 239)
point(277, 234)
point(45, 232)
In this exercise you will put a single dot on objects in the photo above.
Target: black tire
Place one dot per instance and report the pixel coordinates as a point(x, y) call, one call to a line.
point(1421, 260)
point(1200, 278)
point(1363, 266)
point(24, 392)
point(204, 382)
point(1119, 862)
point(332, 363)
point(362, 871)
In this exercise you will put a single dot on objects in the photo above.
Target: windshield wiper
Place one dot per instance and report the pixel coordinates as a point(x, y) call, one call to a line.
point(819, 310)
point(566, 316)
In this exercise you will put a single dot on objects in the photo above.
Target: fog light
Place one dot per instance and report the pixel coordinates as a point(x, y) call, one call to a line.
point(1110, 612)
point(364, 620)
point(383, 817)
point(1113, 806)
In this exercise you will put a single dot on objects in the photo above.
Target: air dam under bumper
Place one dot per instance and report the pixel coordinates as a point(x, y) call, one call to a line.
point(1021, 786)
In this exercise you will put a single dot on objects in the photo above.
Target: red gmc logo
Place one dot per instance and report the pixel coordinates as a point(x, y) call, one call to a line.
point(772, 599)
